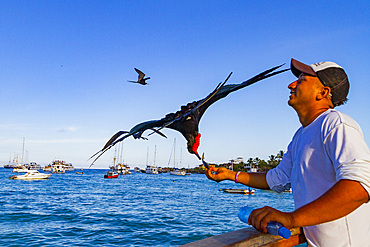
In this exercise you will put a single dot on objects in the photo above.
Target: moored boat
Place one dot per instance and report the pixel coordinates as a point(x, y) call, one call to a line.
point(69, 167)
point(137, 169)
point(111, 174)
point(151, 169)
point(34, 166)
point(239, 191)
point(20, 168)
point(58, 166)
point(178, 172)
point(121, 169)
point(47, 168)
point(31, 175)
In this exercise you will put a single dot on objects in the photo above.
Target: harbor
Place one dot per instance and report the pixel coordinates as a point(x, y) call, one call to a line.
point(136, 209)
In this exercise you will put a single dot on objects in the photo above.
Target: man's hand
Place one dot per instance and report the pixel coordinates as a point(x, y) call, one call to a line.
point(261, 216)
point(219, 174)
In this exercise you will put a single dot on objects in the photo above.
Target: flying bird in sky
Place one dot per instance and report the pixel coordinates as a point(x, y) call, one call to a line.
point(186, 120)
point(141, 80)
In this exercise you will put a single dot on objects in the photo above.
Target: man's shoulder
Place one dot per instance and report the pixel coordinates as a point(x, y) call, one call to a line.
point(338, 117)
point(333, 118)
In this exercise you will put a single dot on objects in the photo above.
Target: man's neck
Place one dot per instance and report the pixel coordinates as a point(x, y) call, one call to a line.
point(305, 118)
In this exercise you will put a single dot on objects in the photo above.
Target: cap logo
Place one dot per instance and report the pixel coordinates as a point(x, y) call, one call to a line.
point(324, 65)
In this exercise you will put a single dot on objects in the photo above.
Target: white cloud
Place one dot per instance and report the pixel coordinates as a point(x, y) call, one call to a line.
point(68, 129)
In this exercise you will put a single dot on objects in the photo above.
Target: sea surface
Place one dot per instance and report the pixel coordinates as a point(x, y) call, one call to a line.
point(133, 210)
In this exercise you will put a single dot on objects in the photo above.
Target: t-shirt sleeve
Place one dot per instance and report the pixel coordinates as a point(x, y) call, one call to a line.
point(349, 153)
point(278, 178)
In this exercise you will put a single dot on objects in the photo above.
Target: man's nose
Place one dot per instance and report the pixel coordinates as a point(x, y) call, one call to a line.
point(292, 85)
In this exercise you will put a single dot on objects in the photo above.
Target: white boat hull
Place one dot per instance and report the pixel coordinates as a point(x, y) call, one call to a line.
point(178, 173)
point(31, 175)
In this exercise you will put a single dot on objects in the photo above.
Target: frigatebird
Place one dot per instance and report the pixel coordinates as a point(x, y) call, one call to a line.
point(186, 120)
point(140, 79)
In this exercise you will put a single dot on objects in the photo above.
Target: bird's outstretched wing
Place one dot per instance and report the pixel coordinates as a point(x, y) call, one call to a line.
point(141, 74)
point(186, 120)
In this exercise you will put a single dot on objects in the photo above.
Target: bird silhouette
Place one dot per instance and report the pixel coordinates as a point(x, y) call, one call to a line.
point(140, 79)
point(186, 120)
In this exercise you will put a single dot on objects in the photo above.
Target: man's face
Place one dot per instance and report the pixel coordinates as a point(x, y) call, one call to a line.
point(303, 91)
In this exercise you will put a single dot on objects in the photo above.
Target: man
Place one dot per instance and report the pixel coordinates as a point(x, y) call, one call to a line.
point(327, 164)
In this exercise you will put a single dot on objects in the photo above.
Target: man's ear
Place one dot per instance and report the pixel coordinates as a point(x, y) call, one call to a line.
point(325, 92)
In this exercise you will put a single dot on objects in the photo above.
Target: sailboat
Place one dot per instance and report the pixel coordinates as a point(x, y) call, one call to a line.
point(151, 169)
point(20, 167)
point(176, 171)
point(120, 167)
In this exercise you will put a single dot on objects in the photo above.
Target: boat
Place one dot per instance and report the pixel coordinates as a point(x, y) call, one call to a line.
point(137, 169)
point(111, 174)
point(16, 165)
point(20, 168)
point(31, 175)
point(47, 168)
point(121, 169)
point(79, 172)
point(58, 166)
point(34, 166)
point(12, 163)
point(176, 172)
point(9, 166)
point(69, 167)
point(239, 191)
point(151, 169)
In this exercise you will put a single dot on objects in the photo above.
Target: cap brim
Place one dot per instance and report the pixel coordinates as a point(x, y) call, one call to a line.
point(298, 68)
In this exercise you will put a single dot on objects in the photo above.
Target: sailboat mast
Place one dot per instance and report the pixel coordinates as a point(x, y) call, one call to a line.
point(155, 153)
point(174, 153)
point(121, 158)
point(181, 157)
point(114, 159)
point(147, 154)
point(23, 151)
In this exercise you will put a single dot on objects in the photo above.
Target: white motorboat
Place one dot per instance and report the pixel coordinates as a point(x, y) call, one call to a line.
point(178, 172)
point(31, 175)
point(20, 168)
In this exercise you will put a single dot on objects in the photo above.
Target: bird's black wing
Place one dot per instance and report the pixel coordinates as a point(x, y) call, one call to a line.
point(141, 74)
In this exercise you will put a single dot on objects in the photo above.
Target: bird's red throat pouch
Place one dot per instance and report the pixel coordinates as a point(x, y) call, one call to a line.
point(196, 143)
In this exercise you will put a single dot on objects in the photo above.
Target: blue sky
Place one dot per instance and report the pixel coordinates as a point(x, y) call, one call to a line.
point(64, 68)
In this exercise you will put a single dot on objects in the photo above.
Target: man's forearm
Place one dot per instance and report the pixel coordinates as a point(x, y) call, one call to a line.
point(343, 198)
point(253, 179)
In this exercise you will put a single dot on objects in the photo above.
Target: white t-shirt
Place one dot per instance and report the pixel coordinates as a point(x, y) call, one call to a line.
point(331, 148)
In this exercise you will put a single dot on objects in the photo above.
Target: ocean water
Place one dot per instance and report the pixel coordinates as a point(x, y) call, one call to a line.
point(133, 210)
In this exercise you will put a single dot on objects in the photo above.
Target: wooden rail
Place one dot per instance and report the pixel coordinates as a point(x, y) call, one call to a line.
point(250, 237)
